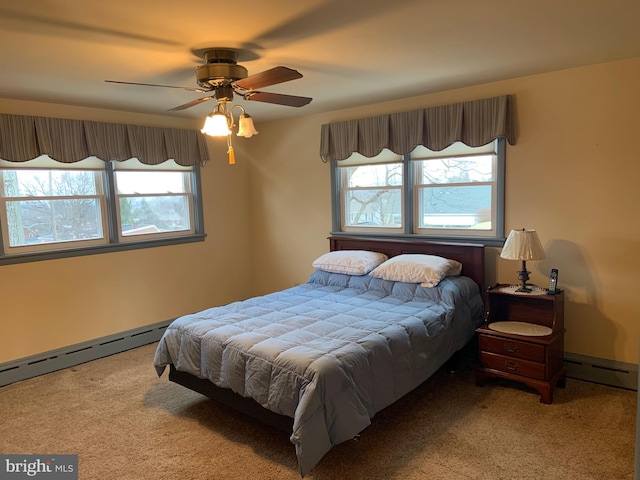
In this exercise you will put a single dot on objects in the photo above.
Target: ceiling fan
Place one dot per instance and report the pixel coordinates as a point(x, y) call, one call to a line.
point(222, 76)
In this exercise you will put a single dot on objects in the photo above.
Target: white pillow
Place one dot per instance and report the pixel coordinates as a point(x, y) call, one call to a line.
point(351, 262)
point(428, 270)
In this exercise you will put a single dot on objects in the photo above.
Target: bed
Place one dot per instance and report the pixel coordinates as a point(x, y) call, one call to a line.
point(320, 359)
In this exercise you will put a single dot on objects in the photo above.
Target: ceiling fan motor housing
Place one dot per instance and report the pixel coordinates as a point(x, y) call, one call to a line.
point(220, 70)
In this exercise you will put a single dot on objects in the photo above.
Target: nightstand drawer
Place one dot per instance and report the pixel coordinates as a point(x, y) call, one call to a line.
point(512, 365)
point(512, 348)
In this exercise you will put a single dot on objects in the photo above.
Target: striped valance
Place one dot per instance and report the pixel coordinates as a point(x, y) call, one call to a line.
point(24, 138)
point(473, 123)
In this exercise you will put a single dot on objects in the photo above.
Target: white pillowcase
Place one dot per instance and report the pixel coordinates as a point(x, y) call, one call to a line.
point(428, 270)
point(351, 262)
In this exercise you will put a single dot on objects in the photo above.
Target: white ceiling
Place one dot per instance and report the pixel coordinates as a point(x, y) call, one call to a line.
point(351, 52)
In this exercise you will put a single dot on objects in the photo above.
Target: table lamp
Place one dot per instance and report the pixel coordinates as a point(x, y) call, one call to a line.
point(523, 245)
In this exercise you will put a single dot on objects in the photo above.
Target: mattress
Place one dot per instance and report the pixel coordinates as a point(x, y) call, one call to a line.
point(329, 353)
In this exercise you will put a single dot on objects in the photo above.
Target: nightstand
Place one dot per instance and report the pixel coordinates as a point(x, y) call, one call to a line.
point(522, 339)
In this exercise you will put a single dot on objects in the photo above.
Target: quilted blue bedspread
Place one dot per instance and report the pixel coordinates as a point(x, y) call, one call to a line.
point(329, 353)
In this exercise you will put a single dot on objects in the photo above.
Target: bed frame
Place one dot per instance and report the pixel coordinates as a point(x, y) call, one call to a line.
point(470, 255)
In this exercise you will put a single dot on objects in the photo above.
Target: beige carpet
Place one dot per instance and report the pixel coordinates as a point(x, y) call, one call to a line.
point(125, 423)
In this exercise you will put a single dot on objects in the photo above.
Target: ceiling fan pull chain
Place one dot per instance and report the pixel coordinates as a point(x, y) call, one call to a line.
point(232, 156)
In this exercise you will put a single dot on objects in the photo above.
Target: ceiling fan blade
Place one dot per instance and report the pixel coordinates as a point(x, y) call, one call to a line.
point(268, 77)
point(277, 98)
point(200, 90)
point(191, 103)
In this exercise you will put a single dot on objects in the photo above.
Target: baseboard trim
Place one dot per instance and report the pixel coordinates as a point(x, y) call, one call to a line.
point(47, 362)
point(600, 370)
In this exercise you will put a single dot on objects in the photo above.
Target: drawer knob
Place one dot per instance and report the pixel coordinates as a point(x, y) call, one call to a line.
point(511, 347)
point(513, 366)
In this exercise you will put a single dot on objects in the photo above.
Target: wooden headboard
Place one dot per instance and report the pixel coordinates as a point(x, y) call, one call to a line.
point(470, 255)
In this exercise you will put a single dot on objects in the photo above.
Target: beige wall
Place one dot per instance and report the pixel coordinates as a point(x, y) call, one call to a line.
point(573, 176)
point(56, 303)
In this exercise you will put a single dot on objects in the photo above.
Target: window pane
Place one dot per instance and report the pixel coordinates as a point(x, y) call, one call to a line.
point(33, 222)
point(157, 214)
point(51, 206)
point(456, 170)
point(373, 175)
point(455, 207)
point(132, 182)
point(373, 208)
point(48, 183)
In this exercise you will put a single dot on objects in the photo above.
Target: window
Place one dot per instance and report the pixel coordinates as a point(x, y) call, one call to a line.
point(453, 194)
point(153, 203)
point(93, 206)
point(372, 195)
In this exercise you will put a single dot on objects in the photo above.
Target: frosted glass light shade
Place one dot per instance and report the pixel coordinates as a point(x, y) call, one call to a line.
point(245, 126)
point(216, 125)
point(522, 245)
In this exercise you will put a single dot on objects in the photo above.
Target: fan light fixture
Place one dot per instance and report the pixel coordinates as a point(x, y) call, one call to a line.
point(221, 123)
point(523, 245)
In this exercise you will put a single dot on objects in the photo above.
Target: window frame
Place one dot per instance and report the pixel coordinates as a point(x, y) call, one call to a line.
point(410, 209)
point(110, 224)
point(421, 188)
point(187, 194)
point(98, 196)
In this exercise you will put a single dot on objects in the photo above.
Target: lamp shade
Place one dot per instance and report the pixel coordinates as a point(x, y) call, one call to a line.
point(245, 126)
point(216, 125)
point(523, 245)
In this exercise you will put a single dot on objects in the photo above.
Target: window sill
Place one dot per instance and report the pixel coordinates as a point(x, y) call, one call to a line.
point(95, 250)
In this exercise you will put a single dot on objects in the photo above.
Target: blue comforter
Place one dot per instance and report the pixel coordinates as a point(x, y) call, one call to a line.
point(329, 353)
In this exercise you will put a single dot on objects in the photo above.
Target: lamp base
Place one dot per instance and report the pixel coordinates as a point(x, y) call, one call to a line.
point(523, 276)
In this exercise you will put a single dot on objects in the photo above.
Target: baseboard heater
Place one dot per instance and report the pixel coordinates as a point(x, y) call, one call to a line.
point(591, 369)
point(72, 355)
point(599, 370)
